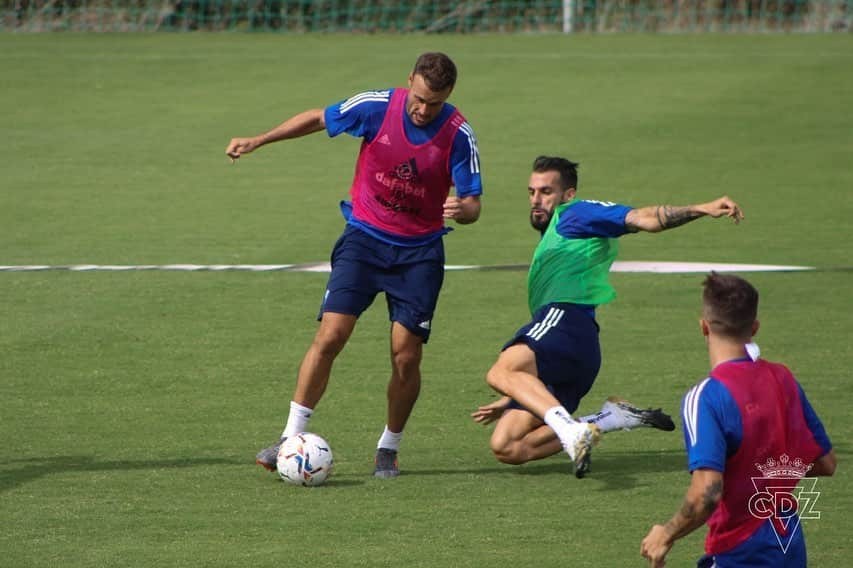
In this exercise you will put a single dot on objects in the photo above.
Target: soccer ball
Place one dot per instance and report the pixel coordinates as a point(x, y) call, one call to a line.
point(304, 459)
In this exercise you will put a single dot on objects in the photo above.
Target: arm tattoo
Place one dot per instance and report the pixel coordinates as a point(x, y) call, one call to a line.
point(712, 496)
point(693, 514)
point(669, 216)
point(687, 511)
point(710, 499)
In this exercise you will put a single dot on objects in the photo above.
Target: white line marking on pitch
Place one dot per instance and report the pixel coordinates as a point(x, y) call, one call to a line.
point(689, 267)
point(618, 266)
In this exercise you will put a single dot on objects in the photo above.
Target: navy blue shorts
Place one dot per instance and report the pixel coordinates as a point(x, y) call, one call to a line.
point(564, 338)
point(764, 548)
point(363, 266)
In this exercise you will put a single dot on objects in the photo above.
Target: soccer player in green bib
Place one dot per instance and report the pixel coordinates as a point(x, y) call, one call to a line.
point(552, 362)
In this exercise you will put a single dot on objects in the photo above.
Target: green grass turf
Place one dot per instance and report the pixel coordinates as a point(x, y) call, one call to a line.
point(131, 404)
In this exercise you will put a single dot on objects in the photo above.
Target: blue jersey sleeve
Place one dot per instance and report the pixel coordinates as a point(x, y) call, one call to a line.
point(814, 423)
point(586, 219)
point(465, 162)
point(360, 116)
point(713, 428)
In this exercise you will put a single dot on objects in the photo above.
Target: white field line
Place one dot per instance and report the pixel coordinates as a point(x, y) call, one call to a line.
point(563, 54)
point(619, 266)
point(692, 267)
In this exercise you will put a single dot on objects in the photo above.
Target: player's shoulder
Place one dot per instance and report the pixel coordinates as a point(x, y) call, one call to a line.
point(592, 213)
point(465, 140)
point(366, 101)
point(466, 134)
point(778, 367)
point(447, 111)
point(707, 391)
point(706, 402)
point(694, 392)
point(593, 204)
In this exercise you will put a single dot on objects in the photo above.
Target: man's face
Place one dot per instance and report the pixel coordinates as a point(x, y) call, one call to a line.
point(423, 104)
point(546, 194)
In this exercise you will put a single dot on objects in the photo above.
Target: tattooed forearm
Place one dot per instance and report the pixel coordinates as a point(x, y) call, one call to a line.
point(686, 520)
point(669, 216)
point(712, 496)
point(688, 512)
point(694, 512)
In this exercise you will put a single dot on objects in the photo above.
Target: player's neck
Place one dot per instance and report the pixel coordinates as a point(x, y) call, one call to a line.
point(722, 349)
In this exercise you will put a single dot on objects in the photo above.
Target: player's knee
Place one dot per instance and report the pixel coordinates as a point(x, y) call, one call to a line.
point(406, 361)
point(330, 342)
point(496, 378)
point(507, 453)
point(506, 449)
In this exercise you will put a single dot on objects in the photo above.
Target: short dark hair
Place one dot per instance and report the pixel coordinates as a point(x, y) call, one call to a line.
point(437, 69)
point(568, 169)
point(729, 305)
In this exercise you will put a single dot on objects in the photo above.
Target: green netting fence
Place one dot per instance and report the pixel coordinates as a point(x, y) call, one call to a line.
point(428, 16)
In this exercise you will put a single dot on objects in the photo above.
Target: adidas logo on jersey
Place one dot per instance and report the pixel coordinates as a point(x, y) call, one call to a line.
point(384, 140)
point(425, 324)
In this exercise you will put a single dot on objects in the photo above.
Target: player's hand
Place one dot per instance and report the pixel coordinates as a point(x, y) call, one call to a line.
point(239, 146)
point(490, 412)
point(724, 206)
point(655, 546)
point(452, 207)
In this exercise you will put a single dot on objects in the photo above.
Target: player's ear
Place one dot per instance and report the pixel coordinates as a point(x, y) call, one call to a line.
point(569, 194)
point(706, 329)
point(755, 325)
point(411, 79)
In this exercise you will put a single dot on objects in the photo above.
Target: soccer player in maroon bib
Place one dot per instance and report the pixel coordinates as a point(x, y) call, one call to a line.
point(751, 435)
point(415, 147)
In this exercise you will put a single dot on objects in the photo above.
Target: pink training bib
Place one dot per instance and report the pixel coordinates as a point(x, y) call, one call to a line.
point(773, 425)
point(399, 187)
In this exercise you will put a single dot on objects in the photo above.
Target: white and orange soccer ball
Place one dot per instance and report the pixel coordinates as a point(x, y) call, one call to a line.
point(305, 459)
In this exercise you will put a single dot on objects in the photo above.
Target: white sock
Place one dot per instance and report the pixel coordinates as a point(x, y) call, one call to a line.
point(607, 421)
point(590, 418)
point(297, 420)
point(562, 423)
point(389, 440)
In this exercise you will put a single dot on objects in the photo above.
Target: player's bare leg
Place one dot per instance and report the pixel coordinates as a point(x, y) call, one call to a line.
point(520, 437)
point(333, 334)
point(403, 390)
point(405, 384)
point(515, 375)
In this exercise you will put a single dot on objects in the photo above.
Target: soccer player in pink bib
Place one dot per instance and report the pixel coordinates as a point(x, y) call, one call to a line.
point(750, 434)
point(415, 146)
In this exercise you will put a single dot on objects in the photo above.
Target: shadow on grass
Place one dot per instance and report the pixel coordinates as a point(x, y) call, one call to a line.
point(623, 470)
point(616, 471)
point(35, 468)
point(32, 469)
point(338, 482)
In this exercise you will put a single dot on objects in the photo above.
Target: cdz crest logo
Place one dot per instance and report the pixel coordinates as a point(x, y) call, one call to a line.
point(781, 494)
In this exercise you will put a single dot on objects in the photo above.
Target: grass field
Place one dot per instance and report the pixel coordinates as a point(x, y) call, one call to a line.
point(132, 403)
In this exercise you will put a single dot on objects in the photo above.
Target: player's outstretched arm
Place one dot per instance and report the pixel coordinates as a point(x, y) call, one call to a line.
point(702, 498)
point(656, 218)
point(302, 124)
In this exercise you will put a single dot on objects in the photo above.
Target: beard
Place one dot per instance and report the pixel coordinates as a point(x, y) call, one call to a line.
point(540, 222)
